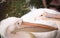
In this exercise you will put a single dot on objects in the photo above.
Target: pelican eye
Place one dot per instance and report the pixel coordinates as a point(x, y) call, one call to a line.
point(18, 23)
point(41, 15)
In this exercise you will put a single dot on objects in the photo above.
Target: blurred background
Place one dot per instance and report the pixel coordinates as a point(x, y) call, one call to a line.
point(18, 8)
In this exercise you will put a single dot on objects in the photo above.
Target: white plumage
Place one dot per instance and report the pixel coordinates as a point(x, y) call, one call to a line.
point(11, 22)
point(34, 16)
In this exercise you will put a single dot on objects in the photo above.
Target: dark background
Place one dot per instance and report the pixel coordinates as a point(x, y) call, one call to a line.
point(18, 8)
